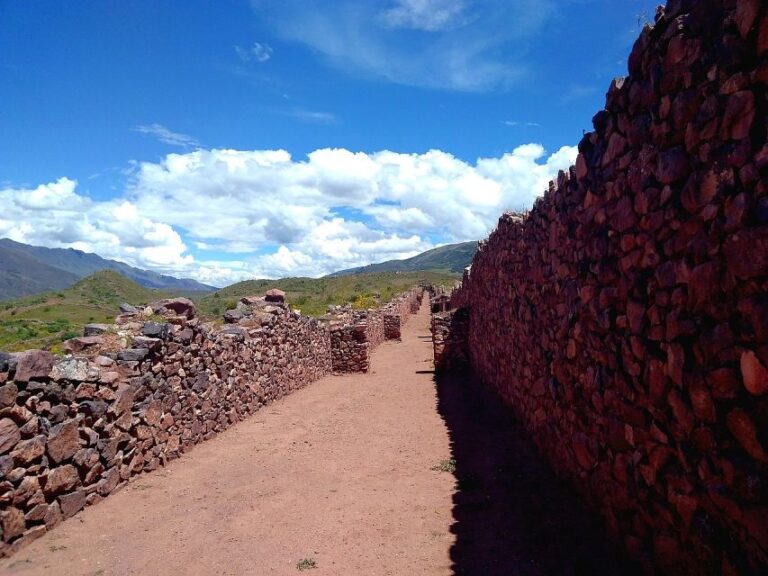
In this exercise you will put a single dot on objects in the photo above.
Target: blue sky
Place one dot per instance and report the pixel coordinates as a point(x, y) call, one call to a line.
point(266, 138)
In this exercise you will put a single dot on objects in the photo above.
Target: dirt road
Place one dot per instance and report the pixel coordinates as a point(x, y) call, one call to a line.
point(338, 473)
point(349, 476)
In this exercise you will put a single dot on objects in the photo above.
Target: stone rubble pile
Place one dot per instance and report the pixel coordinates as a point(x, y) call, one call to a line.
point(625, 318)
point(137, 394)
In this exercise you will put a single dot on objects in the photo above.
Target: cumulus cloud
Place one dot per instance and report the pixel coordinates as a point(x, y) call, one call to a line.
point(340, 243)
point(463, 45)
point(167, 136)
point(225, 215)
point(55, 215)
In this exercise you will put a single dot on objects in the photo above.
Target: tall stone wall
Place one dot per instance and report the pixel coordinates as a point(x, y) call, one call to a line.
point(625, 318)
point(135, 395)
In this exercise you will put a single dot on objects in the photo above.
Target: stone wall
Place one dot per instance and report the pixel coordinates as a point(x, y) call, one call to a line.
point(392, 327)
point(75, 429)
point(625, 318)
point(450, 338)
point(374, 327)
point(355, 334)
point(350, 348)
point(397, 312)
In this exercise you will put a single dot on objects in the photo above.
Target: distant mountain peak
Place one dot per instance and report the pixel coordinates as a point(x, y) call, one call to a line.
point(27, 270)
point(447, 258)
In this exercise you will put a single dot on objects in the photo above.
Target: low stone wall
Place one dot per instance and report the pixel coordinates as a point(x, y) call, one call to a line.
point(355, 334)
point(397, 312)
point(375, 332)
point(350, 348)
point(142, 392)
point(625, 318)
point(392, 327)
point(74, 430)
point(450, 340)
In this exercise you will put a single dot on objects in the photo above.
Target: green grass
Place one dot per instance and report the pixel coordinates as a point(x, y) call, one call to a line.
point(306, 564)
point(313, 295)
point(446, 466)
point(46, 320)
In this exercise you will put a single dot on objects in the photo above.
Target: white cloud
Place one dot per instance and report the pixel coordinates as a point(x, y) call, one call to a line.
point(427, 15)
point(55, 215)
point(167, 136)
point(460, 45)
point(516, 123)
point(312, 116)
point(261, 213)
point(258, 52)
point(340, 244)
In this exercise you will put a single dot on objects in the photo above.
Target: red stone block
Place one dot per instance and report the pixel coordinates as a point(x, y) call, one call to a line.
point(753, 373)
point(744, 430)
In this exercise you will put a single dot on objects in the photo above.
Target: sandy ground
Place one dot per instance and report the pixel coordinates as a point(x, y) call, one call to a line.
point(339, 473)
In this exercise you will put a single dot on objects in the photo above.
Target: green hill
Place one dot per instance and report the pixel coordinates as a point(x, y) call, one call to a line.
point(313, 295)
point(449, 258)
point(45, 320)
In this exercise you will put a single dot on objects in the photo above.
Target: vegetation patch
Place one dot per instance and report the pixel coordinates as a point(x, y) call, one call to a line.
point(446, 466)
point(313, 295)
point(46, 320)
point(306, 564)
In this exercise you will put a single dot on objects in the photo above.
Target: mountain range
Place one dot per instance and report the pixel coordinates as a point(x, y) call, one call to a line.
point(26, 270)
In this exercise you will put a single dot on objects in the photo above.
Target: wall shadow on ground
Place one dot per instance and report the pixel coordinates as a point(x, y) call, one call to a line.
point(511, 514)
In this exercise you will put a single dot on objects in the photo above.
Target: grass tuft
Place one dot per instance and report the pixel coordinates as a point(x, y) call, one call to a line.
point(306, 564)
point(446, 466)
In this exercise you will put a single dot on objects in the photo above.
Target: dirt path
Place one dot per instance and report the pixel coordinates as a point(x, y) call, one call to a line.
point(339, 473)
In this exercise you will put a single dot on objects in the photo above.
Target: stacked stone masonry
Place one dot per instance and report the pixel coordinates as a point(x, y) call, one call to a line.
point(625, 318)
point(138, 394)
point(355, 334)
point(397, 312)
point(450, 337)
